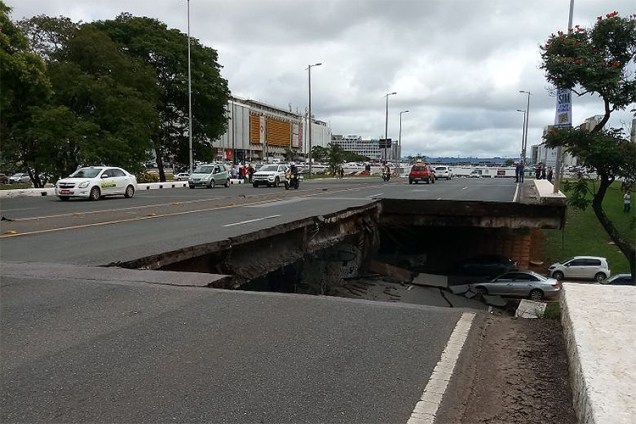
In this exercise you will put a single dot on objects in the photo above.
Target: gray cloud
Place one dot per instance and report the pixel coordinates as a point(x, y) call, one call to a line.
point(457, 65)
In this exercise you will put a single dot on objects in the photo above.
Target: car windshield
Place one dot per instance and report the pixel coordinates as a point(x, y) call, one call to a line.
point(86, 173)
point(440, 168)
point(204, 169)
point(418, 168)
point(269, 168)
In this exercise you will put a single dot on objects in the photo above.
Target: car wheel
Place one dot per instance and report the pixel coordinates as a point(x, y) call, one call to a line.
point(95, 194)
point(433, 180)
point(286, 185)
point(536, 295)
point(410, 181)
point(600, 276)
point(130, 192)
point(276, 182)
point(192, 187)
point(254, 185)
point(557, 275)
point(63, 198)
point(227, 183)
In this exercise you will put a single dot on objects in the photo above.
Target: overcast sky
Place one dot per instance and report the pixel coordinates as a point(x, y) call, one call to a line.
point(456, 65)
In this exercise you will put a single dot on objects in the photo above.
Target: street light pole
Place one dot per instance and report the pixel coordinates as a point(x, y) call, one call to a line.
point(386, 121)
point(399, 149)
point(189, 93)
point(527, 120)
point(559, 153)
point(309, 120)
point(523, 134)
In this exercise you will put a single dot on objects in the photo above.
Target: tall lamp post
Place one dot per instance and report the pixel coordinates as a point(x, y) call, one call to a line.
point(399, 149)
point(523, 134)
point(309, 120)
point(559, 152)
point(525, 130)
point(189, 93)
point(386, 121)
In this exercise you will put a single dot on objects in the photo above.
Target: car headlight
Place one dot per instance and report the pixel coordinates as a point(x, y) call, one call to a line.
point(84, 184)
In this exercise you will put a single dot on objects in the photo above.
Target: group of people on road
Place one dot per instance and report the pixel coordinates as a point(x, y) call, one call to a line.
point(242, 172)
point(540, 172)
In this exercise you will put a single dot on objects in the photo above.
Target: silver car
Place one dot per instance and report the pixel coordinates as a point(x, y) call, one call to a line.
point(210, 176)
point(519, 284)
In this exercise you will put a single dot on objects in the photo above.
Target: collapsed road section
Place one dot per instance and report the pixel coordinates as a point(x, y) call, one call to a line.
point(397, 240)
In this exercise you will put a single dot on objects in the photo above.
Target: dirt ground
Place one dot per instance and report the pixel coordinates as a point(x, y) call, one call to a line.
point(517, 372)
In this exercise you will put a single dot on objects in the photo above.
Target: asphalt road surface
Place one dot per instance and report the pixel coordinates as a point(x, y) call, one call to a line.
point(95, 349)
point(45, 229)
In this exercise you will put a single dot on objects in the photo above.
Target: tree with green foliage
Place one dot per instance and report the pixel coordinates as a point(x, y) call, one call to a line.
point(25, 91)
point(335, 157)
point(597, 61)
point(165, 50)
point(319, 154)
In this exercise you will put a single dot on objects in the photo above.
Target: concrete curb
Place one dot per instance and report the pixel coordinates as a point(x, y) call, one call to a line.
point(50, 191)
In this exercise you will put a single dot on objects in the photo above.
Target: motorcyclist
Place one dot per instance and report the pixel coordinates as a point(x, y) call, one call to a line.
point(293, 169)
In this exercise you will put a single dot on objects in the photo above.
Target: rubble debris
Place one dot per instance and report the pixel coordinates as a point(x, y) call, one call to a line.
point(530, 309)
point(431, 280)
point(494, 300)
point(391, 272)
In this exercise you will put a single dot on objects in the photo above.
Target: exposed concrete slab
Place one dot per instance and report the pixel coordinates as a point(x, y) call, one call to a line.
point(433, 280)
point(61, 271)
point(495, 300)
point(598, 322)
point(530, 309)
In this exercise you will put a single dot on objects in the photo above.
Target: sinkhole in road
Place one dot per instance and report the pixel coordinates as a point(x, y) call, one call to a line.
point(373, 263)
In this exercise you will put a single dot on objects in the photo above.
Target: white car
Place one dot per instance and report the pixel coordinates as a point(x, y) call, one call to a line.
point(95, 182)
point(182, 176)
point(20, 177)
point(443, 172)
point(584, 267)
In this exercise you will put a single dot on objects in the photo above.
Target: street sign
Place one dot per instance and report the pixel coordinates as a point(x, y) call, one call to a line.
point(385, 143)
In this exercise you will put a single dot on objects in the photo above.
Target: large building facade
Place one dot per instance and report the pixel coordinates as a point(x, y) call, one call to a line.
point(258, 132)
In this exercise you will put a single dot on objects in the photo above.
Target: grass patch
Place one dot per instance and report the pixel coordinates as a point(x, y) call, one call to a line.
point(15, 186)
point(552, 311)
point(584, 235)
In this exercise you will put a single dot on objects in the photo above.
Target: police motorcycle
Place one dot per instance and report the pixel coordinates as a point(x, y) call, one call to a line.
point(292, 177)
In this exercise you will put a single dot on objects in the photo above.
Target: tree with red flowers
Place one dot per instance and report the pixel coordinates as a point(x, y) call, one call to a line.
point(598, 61)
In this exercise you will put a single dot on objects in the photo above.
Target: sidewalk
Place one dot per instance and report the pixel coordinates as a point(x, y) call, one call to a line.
point(599, 326)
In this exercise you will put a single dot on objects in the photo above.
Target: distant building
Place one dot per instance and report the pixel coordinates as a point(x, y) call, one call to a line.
point(367, 148)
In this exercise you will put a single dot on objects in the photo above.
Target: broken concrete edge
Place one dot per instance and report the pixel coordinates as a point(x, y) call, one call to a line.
point(113, 274)
point(159, 260)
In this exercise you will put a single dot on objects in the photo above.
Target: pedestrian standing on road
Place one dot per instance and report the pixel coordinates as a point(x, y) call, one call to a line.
point(521, 171)
point(537, 171)
point(517, 172)
point(627, 202)
point(250, 172)
point(233, 172)
point(549, 177)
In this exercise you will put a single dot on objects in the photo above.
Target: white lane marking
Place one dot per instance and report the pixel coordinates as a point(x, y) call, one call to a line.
point(251, 220)
point(277, 202)
point(426, 408)
point(375, 195)
point(464, 188)
point(514, 198)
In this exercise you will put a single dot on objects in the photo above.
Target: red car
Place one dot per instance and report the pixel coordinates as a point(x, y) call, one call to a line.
point(421, 172)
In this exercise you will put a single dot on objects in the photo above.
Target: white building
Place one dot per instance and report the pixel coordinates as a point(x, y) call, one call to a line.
point(257, 131)
point(367, 148)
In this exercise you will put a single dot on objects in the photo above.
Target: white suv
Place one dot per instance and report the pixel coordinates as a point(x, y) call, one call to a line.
point(584, 267)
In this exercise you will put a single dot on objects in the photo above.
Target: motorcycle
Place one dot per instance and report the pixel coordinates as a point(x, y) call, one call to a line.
point(292, 181)
point(386, 174)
